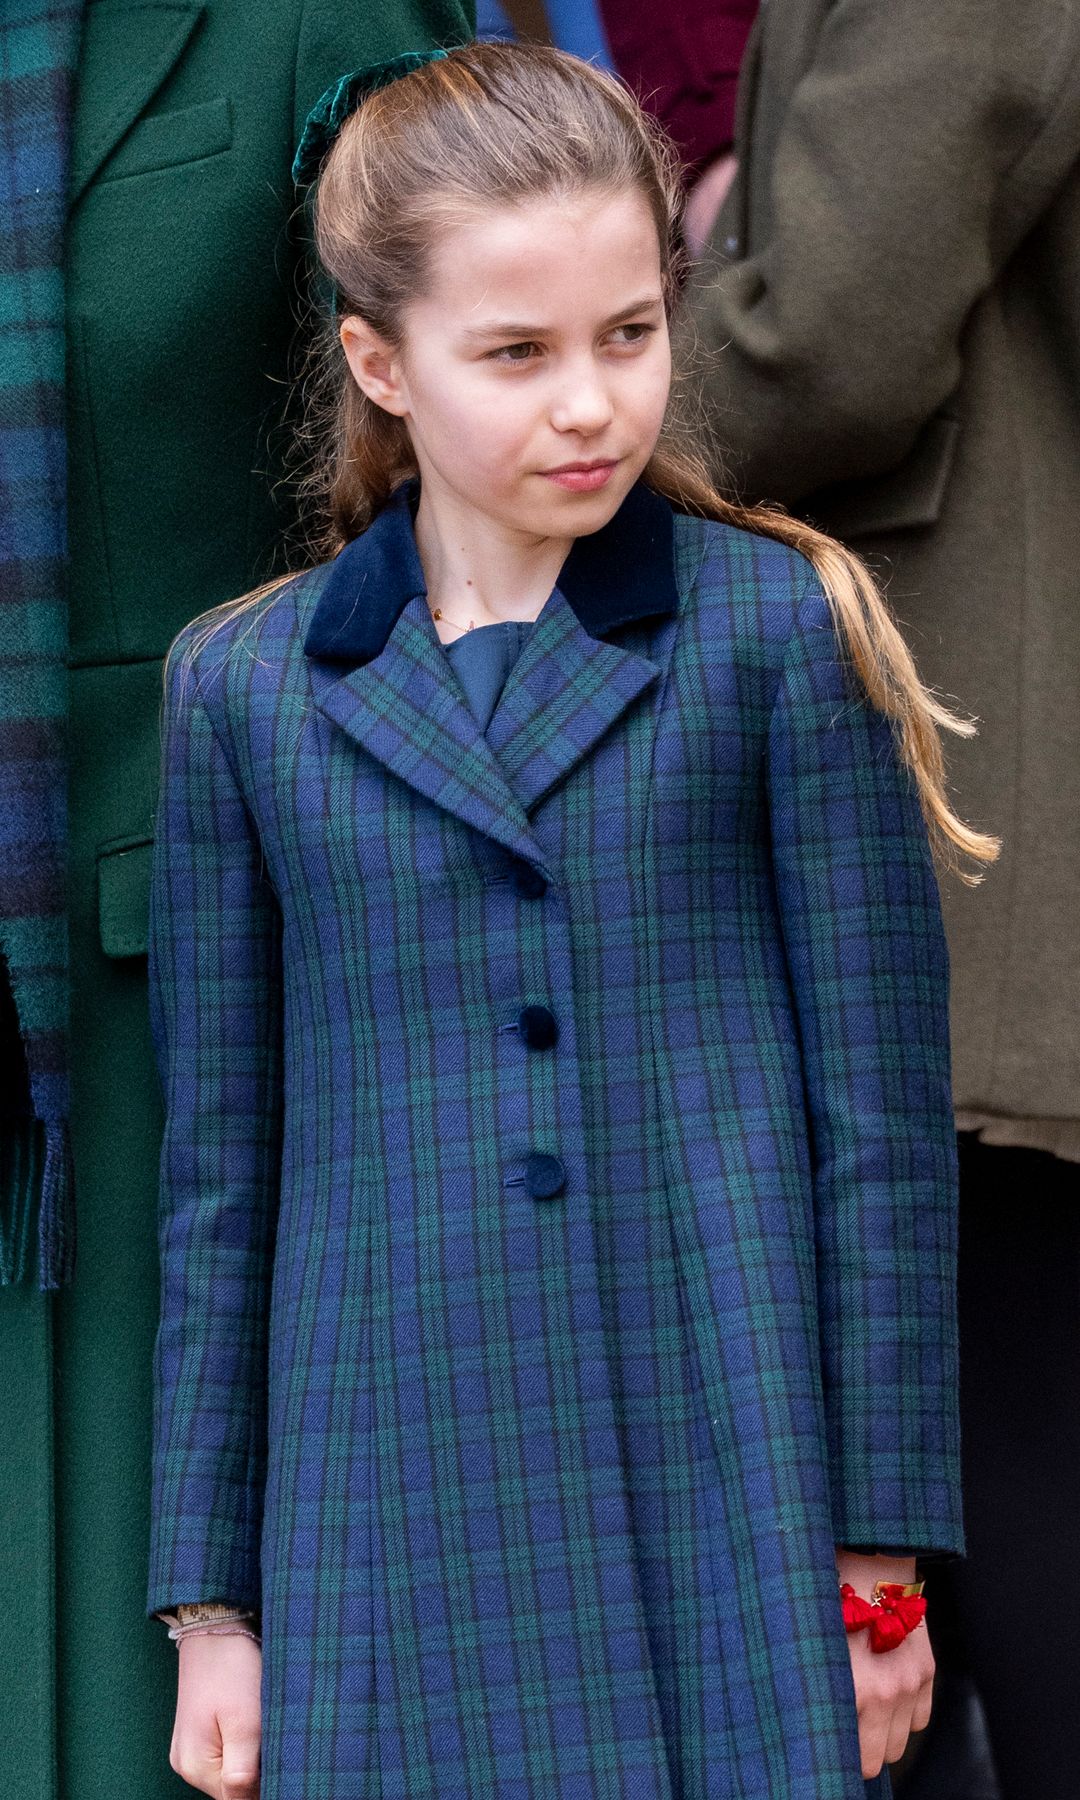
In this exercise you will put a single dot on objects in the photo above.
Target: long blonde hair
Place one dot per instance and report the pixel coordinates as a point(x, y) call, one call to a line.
point(494, 124)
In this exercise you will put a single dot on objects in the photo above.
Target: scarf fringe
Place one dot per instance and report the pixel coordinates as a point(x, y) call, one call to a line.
point(56, 1219)
point(21, 1163)
point(37, 1173)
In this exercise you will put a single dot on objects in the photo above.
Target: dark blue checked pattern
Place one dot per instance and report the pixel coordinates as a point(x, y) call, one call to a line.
point(39, 52)
point(538, 1481)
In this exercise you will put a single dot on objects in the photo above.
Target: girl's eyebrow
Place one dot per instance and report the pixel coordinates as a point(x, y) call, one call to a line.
point(508, 328)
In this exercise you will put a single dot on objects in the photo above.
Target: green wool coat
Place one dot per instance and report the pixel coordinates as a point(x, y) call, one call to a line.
point(890, 318)
point(184, 267)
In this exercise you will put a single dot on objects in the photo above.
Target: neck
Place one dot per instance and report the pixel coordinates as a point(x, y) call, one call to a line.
point(475, 568)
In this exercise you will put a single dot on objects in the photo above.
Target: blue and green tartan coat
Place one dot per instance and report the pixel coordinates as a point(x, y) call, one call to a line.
point(557, 1200)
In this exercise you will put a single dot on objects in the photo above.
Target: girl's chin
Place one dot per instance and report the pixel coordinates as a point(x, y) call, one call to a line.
point(565, 510)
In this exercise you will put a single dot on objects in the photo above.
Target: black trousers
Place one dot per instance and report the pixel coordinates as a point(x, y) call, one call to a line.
point(1009, 1614)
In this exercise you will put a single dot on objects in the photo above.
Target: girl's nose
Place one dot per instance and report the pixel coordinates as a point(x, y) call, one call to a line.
point(583, 404)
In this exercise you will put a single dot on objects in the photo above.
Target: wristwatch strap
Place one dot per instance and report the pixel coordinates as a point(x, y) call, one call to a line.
point(204, 1612)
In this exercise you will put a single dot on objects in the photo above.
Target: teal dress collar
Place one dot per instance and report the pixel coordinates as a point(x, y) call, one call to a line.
point(483, 658)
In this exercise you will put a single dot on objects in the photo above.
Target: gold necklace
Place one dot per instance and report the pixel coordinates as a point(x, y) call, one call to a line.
point(437, 613)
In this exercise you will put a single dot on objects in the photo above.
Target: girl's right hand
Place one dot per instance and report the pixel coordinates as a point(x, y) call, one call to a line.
point(216, 1737)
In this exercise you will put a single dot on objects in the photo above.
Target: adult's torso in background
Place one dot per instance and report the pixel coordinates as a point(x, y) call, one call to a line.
point(904, 299)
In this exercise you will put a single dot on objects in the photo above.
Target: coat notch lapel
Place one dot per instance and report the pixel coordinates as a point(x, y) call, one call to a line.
point(400, 699)
point(407, 708)
point(564, 692)
point(127, 53)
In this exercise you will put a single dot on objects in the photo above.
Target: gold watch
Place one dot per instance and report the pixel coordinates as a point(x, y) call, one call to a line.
point(204, 1612)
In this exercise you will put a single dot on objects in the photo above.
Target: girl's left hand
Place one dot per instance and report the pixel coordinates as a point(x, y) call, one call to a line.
point(892, 1688)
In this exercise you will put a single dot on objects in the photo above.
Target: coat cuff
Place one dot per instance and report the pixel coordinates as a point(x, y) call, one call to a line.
point(203, 1572)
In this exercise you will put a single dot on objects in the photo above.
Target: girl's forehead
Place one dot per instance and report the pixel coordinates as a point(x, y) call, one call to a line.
point(547, 251)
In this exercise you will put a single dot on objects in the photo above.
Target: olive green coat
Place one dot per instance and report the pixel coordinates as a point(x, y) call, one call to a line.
point(893, 334)
point(183, 278)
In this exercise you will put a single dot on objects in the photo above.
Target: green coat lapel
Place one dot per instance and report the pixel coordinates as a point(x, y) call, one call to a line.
point(127, 53)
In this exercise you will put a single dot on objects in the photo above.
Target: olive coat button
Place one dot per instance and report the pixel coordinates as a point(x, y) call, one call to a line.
point(545, 1176)
point(538, 1026)
point(528, 881)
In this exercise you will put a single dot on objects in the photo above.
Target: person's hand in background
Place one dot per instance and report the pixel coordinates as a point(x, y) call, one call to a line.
point(704, 200)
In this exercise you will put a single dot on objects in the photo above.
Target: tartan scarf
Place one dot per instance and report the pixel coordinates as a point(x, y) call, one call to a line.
point(39, 47)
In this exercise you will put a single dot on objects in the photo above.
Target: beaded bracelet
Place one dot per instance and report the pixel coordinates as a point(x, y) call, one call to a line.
point(894, 1612)
point(207, 1617)
point(220, 1628)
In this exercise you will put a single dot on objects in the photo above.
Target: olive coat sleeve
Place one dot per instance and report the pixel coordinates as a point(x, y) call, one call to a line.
point(883, 185)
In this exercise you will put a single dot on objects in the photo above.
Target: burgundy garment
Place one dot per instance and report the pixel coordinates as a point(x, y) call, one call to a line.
point(683, 62)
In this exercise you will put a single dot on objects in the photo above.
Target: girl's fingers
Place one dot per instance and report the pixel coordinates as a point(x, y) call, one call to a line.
point(873, 1739)
point(240, 1740)
point(899, 1731)
point(920, 1715)
point(240, 1781)
point(198, 1775)
point(889, 1714)
point(891, 1695)
point(197, 1763)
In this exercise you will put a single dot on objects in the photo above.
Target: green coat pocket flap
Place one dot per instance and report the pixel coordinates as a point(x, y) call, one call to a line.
point(166, 140)
point(124, 896)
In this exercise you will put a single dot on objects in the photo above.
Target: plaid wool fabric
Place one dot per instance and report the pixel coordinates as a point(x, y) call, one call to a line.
point(39, 44)
point(528, 1385)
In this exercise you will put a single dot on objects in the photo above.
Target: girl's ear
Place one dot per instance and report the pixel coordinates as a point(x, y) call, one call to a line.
point(375, 365)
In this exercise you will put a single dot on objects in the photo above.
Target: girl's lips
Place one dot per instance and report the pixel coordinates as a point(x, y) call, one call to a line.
point(582, 481)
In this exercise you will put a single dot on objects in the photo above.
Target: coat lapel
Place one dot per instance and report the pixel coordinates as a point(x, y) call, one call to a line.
point(380, 673)
point(564, 691)
point(127, 53)
point(407, 708)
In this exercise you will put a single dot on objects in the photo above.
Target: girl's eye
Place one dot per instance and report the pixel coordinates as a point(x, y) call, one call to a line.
point(643, 332)
point(507, 353)
point(524, 352)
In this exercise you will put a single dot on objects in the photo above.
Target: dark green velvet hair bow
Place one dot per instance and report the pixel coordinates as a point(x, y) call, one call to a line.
point(329, 113)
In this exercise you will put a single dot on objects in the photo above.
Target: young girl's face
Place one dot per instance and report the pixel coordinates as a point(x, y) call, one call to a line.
point(542, 342)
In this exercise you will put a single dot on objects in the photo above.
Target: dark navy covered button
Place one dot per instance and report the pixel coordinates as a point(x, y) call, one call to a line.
point(545, 1176)
point(538, 1026)
point(528, 881)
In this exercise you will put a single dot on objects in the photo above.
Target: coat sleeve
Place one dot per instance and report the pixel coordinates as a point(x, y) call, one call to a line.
point(215, 1002)
point(869, 974)
point(921, 145)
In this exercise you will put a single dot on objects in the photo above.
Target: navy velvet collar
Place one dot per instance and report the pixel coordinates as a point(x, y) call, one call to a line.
point(616, 576)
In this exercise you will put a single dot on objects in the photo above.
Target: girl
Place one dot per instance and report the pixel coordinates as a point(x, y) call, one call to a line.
point(550, 997)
